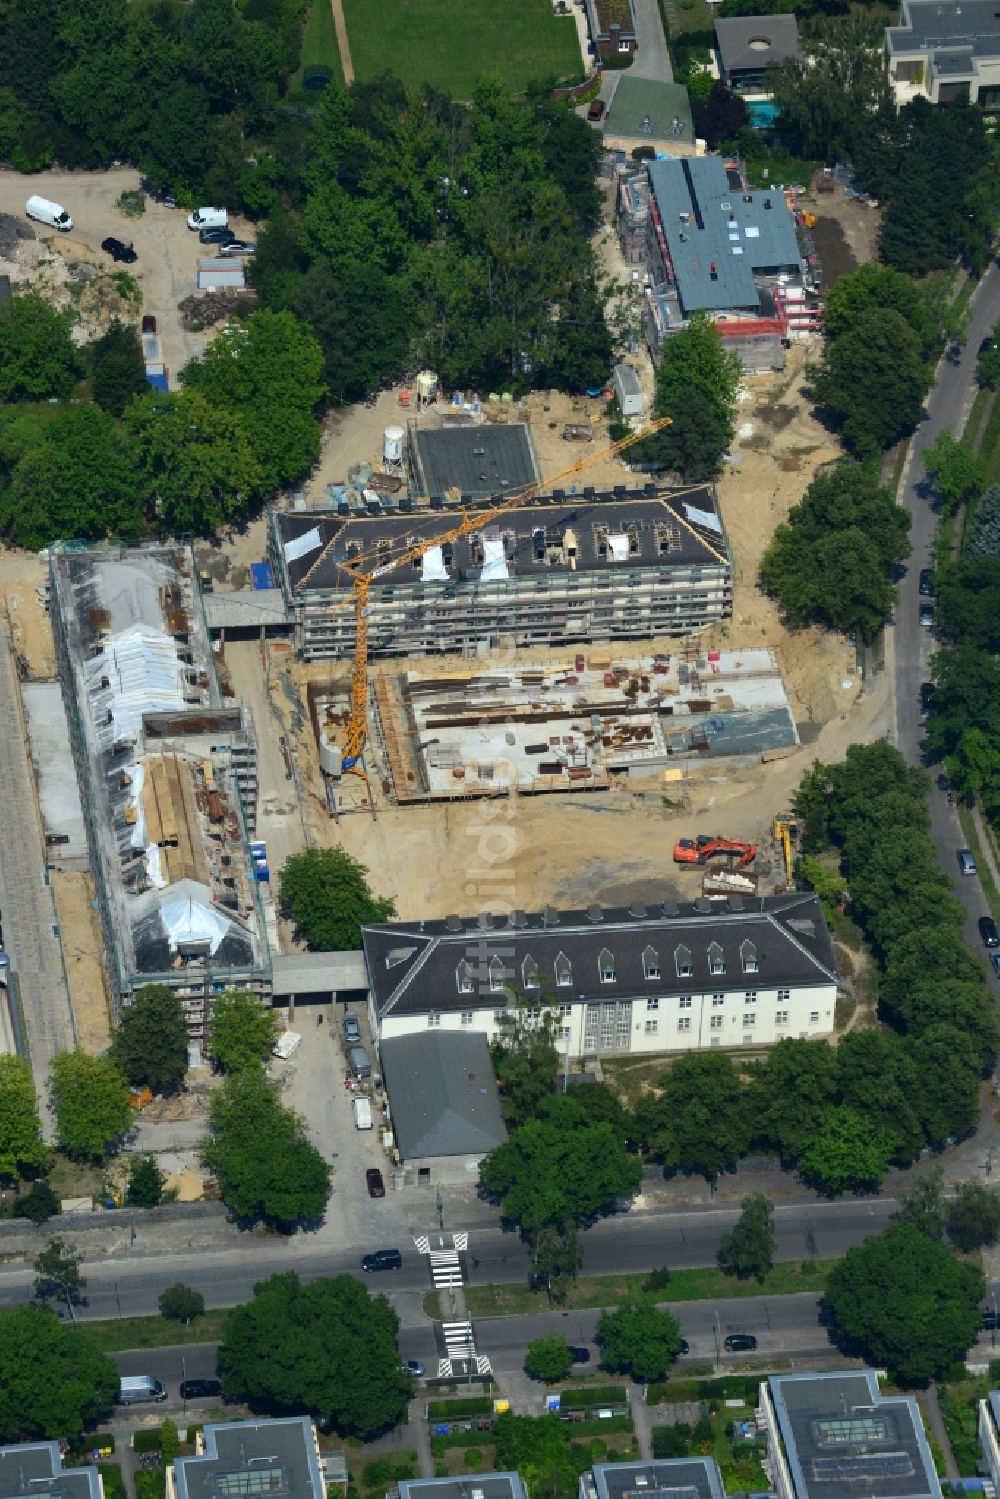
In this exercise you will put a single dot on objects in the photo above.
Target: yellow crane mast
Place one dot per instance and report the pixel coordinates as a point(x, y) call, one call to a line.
point(356, 729)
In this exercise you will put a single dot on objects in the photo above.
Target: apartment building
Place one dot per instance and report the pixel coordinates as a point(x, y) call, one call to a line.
point(945, 51)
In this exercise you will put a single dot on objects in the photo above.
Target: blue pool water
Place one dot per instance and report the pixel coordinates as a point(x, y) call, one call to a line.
point(762, 113)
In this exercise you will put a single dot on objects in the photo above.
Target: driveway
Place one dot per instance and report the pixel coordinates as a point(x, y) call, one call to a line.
point(652, 59)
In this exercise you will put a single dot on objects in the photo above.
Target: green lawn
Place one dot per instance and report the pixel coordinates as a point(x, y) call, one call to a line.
point(155, 1332)
point(319, 43)
point(449, 46)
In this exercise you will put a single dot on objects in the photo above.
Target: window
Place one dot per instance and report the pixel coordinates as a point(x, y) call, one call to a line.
point(748, 955)
point(652, 1004)
point(498, 975)
point(464, 976)
point(749, 1020)
point(781, 1017)
point(466, 1017)
point(716, 1023)
point(717, 1000)
point(651, 963)
point(606, 966)
point(814, 1016)
point(685, 1001)
point(784, 994)
point(624, 46)
point(563, 970)
point(682, 962)
point(529, 973)
point(565, 1009)
point(652, 1026)
point(684, 1024)
point(751, 996)
point(716, 959)
point(564, 1033)
point(498, 1016)
point(433, 1019)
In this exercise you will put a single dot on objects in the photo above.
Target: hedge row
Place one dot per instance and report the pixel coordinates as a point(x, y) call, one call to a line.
point(457, 1410)
point(582, 1397)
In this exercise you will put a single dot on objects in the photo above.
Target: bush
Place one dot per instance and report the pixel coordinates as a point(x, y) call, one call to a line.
point(113, 1480)
point(38, 1204)
point(181, 1304)
point(458, 1410)
point(148, 1439)
point(657, 1280)
point(671, 1441)
point(131, 203)
point(192, 1434)
point(381, 1472)
point(582, 1397)
point(151, 1485)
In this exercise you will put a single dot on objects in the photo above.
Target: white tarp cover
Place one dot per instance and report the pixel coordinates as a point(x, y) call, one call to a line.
point(494, 561)
point(302, 545)
point(186, 919)
point(619, 547)
point(137, 778)
point(433, 569)
point(703, 518)
point(154, 866)
point(144, 675)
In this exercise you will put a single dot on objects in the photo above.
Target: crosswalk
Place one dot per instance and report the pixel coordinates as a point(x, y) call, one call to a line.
point(460, 1351)
point(446, 1268)
point(460, 1356)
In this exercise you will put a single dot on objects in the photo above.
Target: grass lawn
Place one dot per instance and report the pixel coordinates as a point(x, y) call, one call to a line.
point(430, 41)
point(604, 1290)
point(319, 43)
point(154, 1332)
point(990, 446)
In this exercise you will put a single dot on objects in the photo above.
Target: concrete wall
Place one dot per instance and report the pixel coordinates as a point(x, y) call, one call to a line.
point(179, 1225)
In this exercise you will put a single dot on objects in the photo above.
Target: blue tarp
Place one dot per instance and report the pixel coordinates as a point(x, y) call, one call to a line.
point(158, 381)
point(261, 575)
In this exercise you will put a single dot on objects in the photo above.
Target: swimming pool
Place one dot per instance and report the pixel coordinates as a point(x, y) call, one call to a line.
point(762, 113)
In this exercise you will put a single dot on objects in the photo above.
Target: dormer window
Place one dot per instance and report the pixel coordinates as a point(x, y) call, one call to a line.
point(464, 975)
point(563, 971)
point(498, 975)
point(682, 962)
point(606, 966)
point(716, 959)
point(748, 953)
point(650, 963)
point(529, 973)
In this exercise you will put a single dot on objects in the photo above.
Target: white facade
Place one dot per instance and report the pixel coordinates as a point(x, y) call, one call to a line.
point(989, 1439)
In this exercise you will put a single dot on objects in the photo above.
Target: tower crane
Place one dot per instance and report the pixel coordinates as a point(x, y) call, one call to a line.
point(369, 567)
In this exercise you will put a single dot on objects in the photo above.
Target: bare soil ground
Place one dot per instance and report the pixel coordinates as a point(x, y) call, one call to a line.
point(81, 934)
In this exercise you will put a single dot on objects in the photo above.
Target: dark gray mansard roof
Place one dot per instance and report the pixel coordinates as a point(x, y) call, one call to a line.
point(670, 529)
point(413, 967)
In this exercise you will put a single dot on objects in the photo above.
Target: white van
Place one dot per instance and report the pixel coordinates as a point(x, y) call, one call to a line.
point(362, 1113)
point(45, 212)
point(208, 218)
point(133, 1389)
point(287, 1043)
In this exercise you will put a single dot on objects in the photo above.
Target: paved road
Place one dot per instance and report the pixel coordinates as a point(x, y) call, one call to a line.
point(30, 925)
point(947, 409)
point(652, 59)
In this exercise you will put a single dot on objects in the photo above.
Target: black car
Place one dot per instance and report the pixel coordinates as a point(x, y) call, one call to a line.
point(988, 931)
point(376, 1186)
point(741, 1342)
point(382, 1259)
point(684, 1348)
point(991, 1321)
point(579, 1355)
point(926, 697)
point(119, 250)
point(217, 236)
point(927, 582)
point(927, 616)
point(201, 1389)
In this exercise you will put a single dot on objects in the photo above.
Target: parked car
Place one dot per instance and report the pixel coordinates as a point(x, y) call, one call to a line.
point(988, 931)
point(119, 250)
point(966, 863)
point(376, 1186)
point(352, 1030)
point(382, 1259)
point(741, 1342)
point(926, 697)
point(148, 323)
point(596, 110)
point(415, 1367)
point(927, 615)
point(215, 236)
point(579, 1355)
point(685, 1347)
point(201, 1389)
point(927, 582)
point(995, 960)
point(238, 247)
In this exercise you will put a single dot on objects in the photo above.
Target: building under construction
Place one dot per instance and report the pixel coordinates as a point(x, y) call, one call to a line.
point(163, 766)
point(612, 565)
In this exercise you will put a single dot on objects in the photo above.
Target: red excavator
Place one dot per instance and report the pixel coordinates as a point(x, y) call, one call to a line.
point(699, 850)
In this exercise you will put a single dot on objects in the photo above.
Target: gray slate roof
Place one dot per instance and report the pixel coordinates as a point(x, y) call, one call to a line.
point(844, 1438)
point(35, 1468)
point(586, 515)
point(926, 25)
point(413, 967)
point(742, 234)
point(478, 460)
point(442, 1094)
point(739, 40)
point(258, 1459)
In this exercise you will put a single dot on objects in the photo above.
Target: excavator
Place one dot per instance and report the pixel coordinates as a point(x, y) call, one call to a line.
point(784, 829)
point(699, 850)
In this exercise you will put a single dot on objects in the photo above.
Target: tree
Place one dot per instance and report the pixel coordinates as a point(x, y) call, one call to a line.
point(327, 1347)
point(636, 1338)
point(21, 1147)
point(524, 1059)
point(170, 1441)
point(538, 1449)
point(267, 1168)
point(548, 1358)
point(151, 1044)
point(37, 357)
point(789, 1093)
point(57, 1273)
point(876, 1079)
point(873, 380)
point(958, 474)
point(699, 1121)
point(973, 1217)
point(871, 287)
point(988, 364)
point(982, 536)
point(748, 1248)
point(90, 1103)
point(848, 1151)
point(196, 464)
point(559, 1168)
point(39, 1204)
point(823, 100)
point(722, 116)
point(326, 893)
point(117, 368)
point(924, 1205)
point(179, 1303)
point(56, 1379)
point(903, 1301)
point(145, 1183)
point(241, 1032)
point(696, 387)
point(556, 1256)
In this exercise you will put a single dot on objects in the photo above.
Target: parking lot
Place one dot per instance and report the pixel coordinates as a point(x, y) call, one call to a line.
point(168, 251)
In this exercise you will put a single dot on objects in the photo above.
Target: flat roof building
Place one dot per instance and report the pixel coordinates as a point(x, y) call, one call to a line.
point(475, 1486)
point(251, 1460)
point(989, 1435)
point(594, 566)
point(665, 977)
point(834, 1436)
point(472, 460)
point(746, 46)
point(163, 766)
point(649, 112)
point(663, 1478)
point(443, 1102)
point(944, 52)
point(35, 1468)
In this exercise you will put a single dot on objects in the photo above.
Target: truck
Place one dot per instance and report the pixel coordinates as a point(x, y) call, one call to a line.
point(362, 1113)
point(134, 1389)
point(46, 212)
